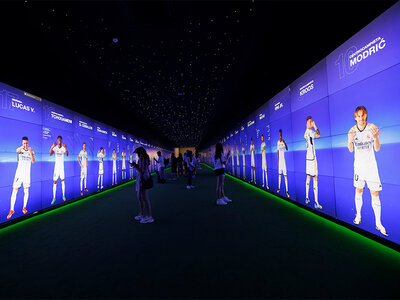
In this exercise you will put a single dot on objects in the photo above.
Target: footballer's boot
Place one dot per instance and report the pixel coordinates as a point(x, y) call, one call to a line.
point(357, 220)
point(382, 229)
point(10, 214)
point(24, 210)
point(317, 206)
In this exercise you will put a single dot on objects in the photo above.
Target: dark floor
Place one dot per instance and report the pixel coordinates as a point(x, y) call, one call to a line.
point(256, 247)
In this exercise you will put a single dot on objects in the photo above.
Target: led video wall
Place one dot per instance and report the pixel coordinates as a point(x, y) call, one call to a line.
point(331, 139)
point(50, 155)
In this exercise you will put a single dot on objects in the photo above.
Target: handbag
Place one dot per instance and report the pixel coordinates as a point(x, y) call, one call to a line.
point(147, 183)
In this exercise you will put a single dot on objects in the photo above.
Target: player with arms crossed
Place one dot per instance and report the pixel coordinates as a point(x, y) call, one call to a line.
point(123, 164)
point(363, 139)
point(264, 162)
point(58, 150)
point(100, 155)
point(114, 172)
point(311, 159)
point(26, 157)
point(281, 148)
point(83, 162)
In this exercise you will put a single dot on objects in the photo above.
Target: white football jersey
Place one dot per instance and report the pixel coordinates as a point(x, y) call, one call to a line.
point(281, 150)
point(83, 157)
point(364, 154)
point(24, 161)
point(252, 149)
point(309, 137)
point(263, 148)
point(59, 154)
point(101, 157)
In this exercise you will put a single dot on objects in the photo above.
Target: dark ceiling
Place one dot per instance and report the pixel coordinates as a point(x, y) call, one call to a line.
point(177, 73)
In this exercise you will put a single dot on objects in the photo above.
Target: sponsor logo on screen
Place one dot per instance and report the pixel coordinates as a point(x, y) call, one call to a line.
point(123, 137)
point(236, 131)
point(113, 134)
point(85, 125)
point(60, 117)
point(261, 116)
point(306, 88)
point(249, 123)
point(130, 139)
point(19, 105)
point(242, 128)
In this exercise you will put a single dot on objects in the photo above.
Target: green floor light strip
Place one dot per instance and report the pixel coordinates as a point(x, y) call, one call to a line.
point(320, 219)
point(35, 216)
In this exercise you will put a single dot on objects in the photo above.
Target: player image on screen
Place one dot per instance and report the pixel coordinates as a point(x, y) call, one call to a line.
point(311, 159)
point(83, 162)
point(281, 148)
point(123, 155)
point(58, 150)
point(131, 167)
point(233, 162)
point(101, 154)
point(363, 139)
point(244, 161)
point(114, 170)
point(264, 162)
point(237, 160)
point(252, 162)
point(26, 157)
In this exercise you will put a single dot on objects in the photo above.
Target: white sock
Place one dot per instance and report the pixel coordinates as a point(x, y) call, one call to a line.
point(63, 187)
point(54, 190)
point(266, 178)
point(286, 183)
point(98, 180)
point(101, 180)
point(316, 191)
point(307, 186)
point(263, 177)
point(85, 182)
point(376, 206)
point(81, 183)
point(13, 198)
point(279, 182)
point(359, 202)
point(26, 195)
